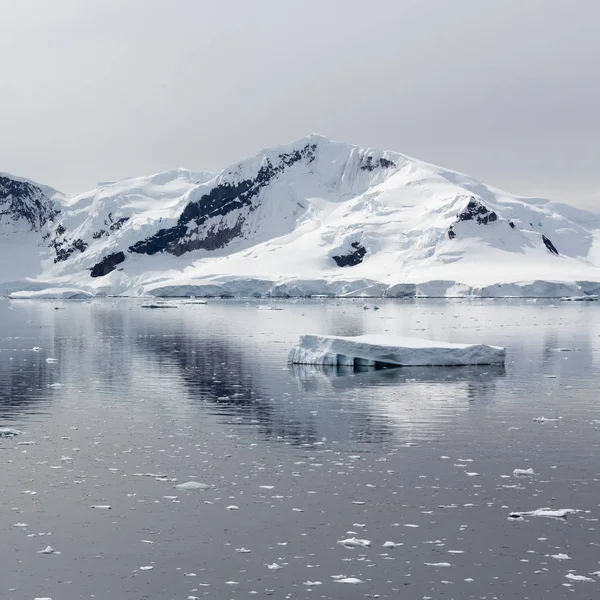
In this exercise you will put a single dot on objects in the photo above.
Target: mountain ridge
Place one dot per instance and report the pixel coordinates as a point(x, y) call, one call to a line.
point(311, 217)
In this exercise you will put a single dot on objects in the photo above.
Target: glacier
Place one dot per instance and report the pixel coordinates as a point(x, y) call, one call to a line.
point(312, 218)
point(387, 350)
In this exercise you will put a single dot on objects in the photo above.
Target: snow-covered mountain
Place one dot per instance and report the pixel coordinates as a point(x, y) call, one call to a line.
point(313, 217)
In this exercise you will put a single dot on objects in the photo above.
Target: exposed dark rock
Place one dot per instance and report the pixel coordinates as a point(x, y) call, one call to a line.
point(352, 258)
point(224, 198)
point(550, 245)
point(369, 165)
point(512, 225)
point(476, 211)
point(98, 234)
point(23, 200)
point(451, 233)
point(107, 264)
point(115, 225)
point(64, 248)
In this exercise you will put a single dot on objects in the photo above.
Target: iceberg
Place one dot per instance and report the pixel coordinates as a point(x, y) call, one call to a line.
point(376, 350)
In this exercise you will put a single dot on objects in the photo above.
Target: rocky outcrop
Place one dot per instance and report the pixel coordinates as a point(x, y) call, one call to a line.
point(21, 200)
point(550, 245)
point(221, 200)
point(478, 212)
point(369, 164)
point(352, 258)
point(107, 265)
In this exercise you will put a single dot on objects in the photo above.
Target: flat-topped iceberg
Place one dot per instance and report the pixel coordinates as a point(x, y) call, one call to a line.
point(374, 350)
point(52, 294)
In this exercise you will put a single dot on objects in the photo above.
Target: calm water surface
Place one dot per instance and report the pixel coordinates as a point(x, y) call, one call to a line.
point(118, 404)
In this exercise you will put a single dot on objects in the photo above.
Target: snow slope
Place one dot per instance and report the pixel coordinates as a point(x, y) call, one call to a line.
point(312, 217)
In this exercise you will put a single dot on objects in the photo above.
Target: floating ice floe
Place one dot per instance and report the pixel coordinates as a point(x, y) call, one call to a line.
point(392, 544)
point(560, 513)
point(52, 294)
point(355, 543)
point(193, 486)
point(343, 579)
point(374, 350)
point(574, 577)
point(9, 432)
point(523, 472)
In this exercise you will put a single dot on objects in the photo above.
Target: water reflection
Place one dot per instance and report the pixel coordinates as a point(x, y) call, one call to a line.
point(227, 361)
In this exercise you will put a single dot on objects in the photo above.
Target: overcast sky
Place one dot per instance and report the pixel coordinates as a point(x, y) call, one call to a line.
point(508, 92)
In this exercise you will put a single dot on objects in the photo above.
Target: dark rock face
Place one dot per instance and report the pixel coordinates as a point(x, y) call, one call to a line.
point(64, 247)
point(111, 225)
point(382, 163)
point(352, 258)
point(23, 200)
point(550, 245)
point(107, 265)
point(224, 198)
point(476, 211)
point(451, 233)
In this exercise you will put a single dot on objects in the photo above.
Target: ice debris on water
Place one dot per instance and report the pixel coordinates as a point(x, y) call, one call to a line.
point(9, 432)
point(48, 550)
point(344, 579)
point(193, 486)
point(574, 577)
point(392, 544)
point(355, 543)
point(274, 567)
point(523, 472)
point(560, 513)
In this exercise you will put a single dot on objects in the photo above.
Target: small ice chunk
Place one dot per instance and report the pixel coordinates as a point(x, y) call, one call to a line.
point(574, 577)
point(48, 550)
point(242, 550)
point(560, 556)
point(9, 432)
point(232, 507)
point(102, 506)
point(355, 543)
point(392, 544)
point(523, 472)
point(193, 486)
point(438, 564)
point(274, 567)
point(312, 583)
point(351, 580)
point(560, 513)
point(147, 568)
